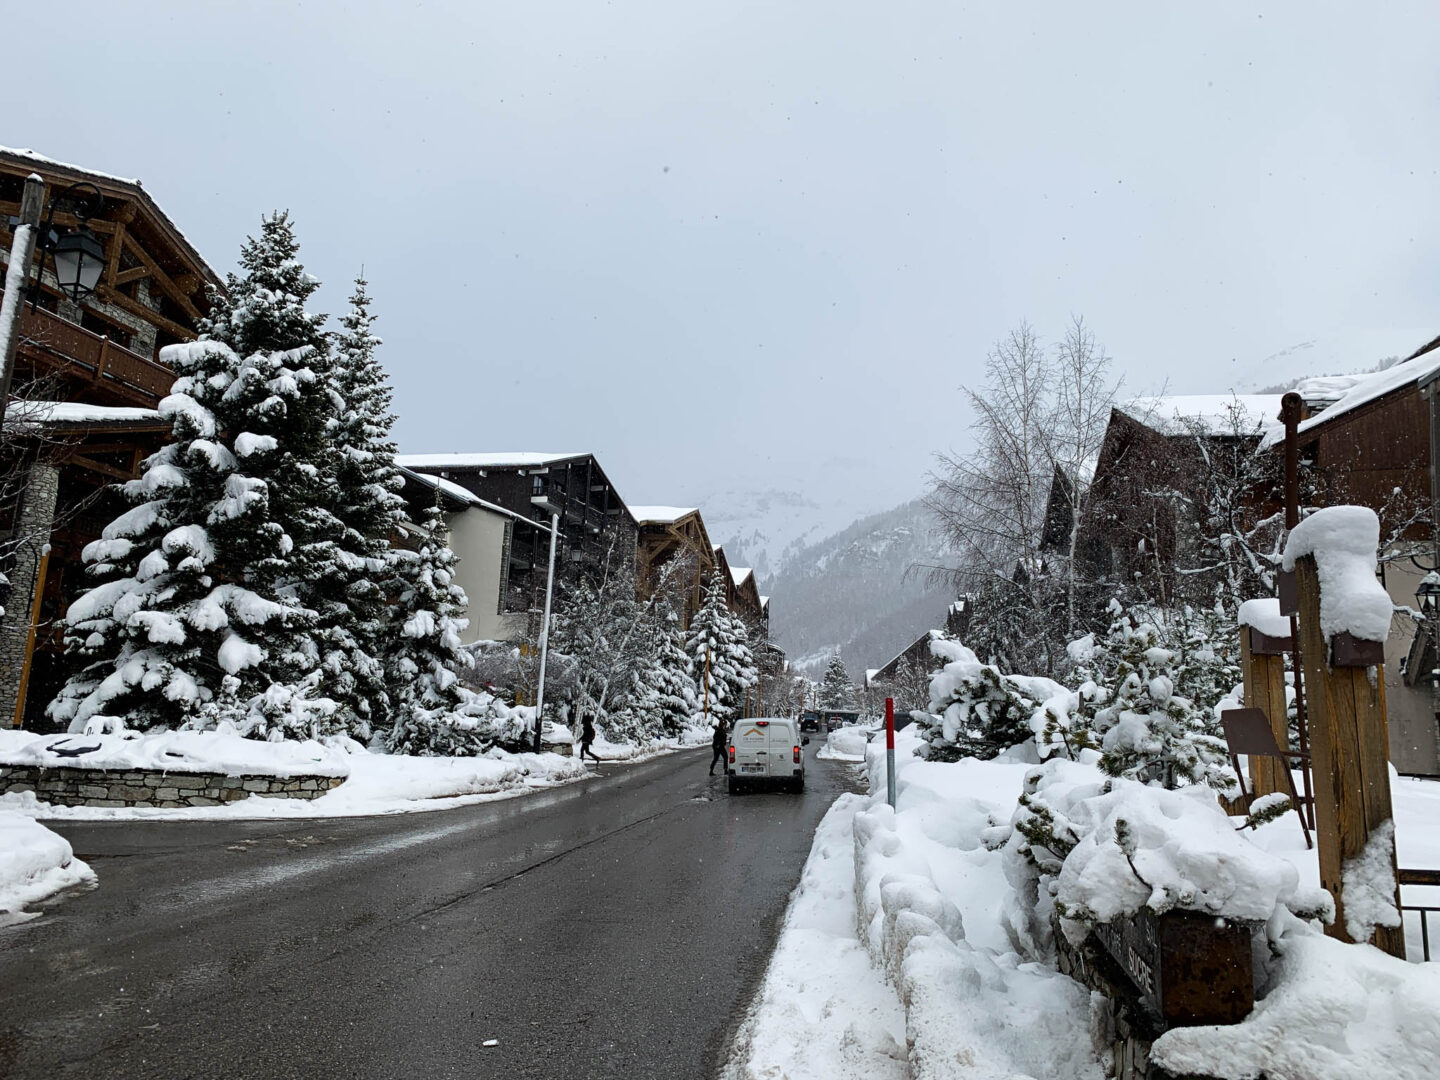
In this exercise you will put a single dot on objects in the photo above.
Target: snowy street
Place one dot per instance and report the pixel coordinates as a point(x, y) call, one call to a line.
point(612, 927)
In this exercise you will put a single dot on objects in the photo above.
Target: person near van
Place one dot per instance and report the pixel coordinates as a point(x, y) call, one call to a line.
point(718, 744)
point(587, 736)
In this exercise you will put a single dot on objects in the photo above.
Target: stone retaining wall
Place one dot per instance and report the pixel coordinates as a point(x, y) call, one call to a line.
point(151, 787)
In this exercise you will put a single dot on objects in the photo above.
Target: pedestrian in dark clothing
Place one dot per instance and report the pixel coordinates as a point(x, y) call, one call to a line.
point(718, 743)
point(587, 736)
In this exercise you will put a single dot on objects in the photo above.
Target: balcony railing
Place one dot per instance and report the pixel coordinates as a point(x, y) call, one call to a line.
point(76, 352)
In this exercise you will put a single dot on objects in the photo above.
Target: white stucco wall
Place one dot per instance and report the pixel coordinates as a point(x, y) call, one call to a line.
point(477, 536)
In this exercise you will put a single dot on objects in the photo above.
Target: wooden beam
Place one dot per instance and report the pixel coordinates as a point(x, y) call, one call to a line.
point(112, 264)
point(90, 465)
point(168, 287)
point(125, 277)
point(24, 687)
point(154, 318)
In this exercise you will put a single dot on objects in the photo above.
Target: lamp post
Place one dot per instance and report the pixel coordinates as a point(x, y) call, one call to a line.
point(77, 253)
point(544, 503)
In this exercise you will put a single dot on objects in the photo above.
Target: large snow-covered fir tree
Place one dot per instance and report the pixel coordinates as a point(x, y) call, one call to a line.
point(196, 618)
point(673, 682)
point(835, 689)
point(718, 647)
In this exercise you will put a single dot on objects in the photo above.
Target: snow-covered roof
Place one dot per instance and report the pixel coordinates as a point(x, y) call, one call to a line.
point(660, 515)
point(76, 412)
point(764, 602)
point(1207, 414)
point(461, 494)
point(513, 459)
point(738, 574)
point(1377, 385)
point(41, 161)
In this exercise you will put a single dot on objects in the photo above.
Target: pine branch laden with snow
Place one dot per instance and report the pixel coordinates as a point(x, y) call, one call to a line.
point(718, 647)
point(974, 710)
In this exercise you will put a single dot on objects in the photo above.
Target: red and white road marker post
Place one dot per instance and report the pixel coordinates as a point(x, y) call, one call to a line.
point(890, 751)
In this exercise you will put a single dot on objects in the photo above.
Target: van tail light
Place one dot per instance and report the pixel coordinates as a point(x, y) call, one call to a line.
point(797, 755)
point(762, 723)
point(732, 755)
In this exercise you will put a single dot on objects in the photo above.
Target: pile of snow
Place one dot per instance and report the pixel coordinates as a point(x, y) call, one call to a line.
point(1264, 615)
point(1332, 1010)
point(34, 863)
point(847, 744)
point(1344, 541)
point(173, 751)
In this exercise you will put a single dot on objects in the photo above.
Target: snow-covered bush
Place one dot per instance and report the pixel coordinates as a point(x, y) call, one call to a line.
point(1092, 850)
point(975, 710)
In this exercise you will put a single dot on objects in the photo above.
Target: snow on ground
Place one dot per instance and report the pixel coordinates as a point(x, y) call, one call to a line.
point(898, 961)
point(34, 863)
point(173, 751)
point(846, 744)
point(376, 783)
point(926, 898)
point(824, 1009)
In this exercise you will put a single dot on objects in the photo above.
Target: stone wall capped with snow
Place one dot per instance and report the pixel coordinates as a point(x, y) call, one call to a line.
point(153, 788)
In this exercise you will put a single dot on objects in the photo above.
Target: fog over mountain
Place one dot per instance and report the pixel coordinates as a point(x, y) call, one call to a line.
point(853, 589)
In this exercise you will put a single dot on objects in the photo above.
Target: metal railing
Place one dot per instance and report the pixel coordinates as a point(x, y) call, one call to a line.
point(1419, 877)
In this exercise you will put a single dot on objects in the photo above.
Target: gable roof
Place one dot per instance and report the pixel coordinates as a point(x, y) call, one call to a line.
point(1205, 414)
point(661, 515)
point(512, 459)
point(1419, 368)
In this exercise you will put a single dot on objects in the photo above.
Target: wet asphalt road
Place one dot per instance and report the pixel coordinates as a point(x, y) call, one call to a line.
point(612, 928)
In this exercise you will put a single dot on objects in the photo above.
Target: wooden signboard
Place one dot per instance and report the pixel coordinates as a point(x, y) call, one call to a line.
point(1185, 967)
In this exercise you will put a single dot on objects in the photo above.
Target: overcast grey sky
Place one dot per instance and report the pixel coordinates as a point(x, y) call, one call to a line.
point(729, 243)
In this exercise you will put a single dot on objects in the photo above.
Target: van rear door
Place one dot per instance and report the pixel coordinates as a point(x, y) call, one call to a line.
point(751, 739)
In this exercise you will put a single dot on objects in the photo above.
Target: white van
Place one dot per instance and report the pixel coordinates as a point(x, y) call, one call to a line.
point(766, 750)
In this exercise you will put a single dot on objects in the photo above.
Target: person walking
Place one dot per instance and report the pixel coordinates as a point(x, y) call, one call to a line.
point(587, 736)
point(718, 743)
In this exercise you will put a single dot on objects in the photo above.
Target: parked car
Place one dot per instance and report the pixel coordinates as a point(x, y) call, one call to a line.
point(766, 751)
point(810, 721)
point(838, 718)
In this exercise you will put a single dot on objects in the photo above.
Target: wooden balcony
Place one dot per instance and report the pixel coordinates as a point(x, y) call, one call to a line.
point(79, 356)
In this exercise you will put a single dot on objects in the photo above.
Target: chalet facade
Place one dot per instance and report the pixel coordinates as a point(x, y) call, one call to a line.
point(482, 536)
point(594, 522)
point(666, 534)
point(96, 365)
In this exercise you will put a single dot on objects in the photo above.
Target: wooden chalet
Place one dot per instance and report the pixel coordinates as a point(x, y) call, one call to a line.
point(1146, 475)
point(667, 533)
point(96, 366)
point(1372, 447)
point(594, 522)
point(917, 653)
point(745, 595)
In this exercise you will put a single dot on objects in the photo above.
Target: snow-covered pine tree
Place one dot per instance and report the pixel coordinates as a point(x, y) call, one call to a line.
point(1146, 730)
point(974, 709)
point(673, 682)
point(189, 623)
point(717, 645)
point(432, 711)
point(835, 689)
point(358, 626)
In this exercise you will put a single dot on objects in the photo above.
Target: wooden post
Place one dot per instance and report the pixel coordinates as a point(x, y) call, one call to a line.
point(1264, 672)
point(1349, 744)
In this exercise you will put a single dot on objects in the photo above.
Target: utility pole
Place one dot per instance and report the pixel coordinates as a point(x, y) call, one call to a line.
point(21, 252)
point(545, 633)
point(707, 684)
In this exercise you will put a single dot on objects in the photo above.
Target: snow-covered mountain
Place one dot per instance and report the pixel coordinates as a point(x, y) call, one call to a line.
point(862, 589)
point(762, 529)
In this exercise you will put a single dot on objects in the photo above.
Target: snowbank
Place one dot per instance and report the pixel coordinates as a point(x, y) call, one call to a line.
point(820, 980)
point(173, 751)
point(847, 744)
point(1332, 1010)
point(34, 863)
point(1344, 541)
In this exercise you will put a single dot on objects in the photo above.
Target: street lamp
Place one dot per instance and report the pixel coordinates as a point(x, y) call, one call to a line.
point(542, 502)
point(77, 253)
point(1427, 596)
